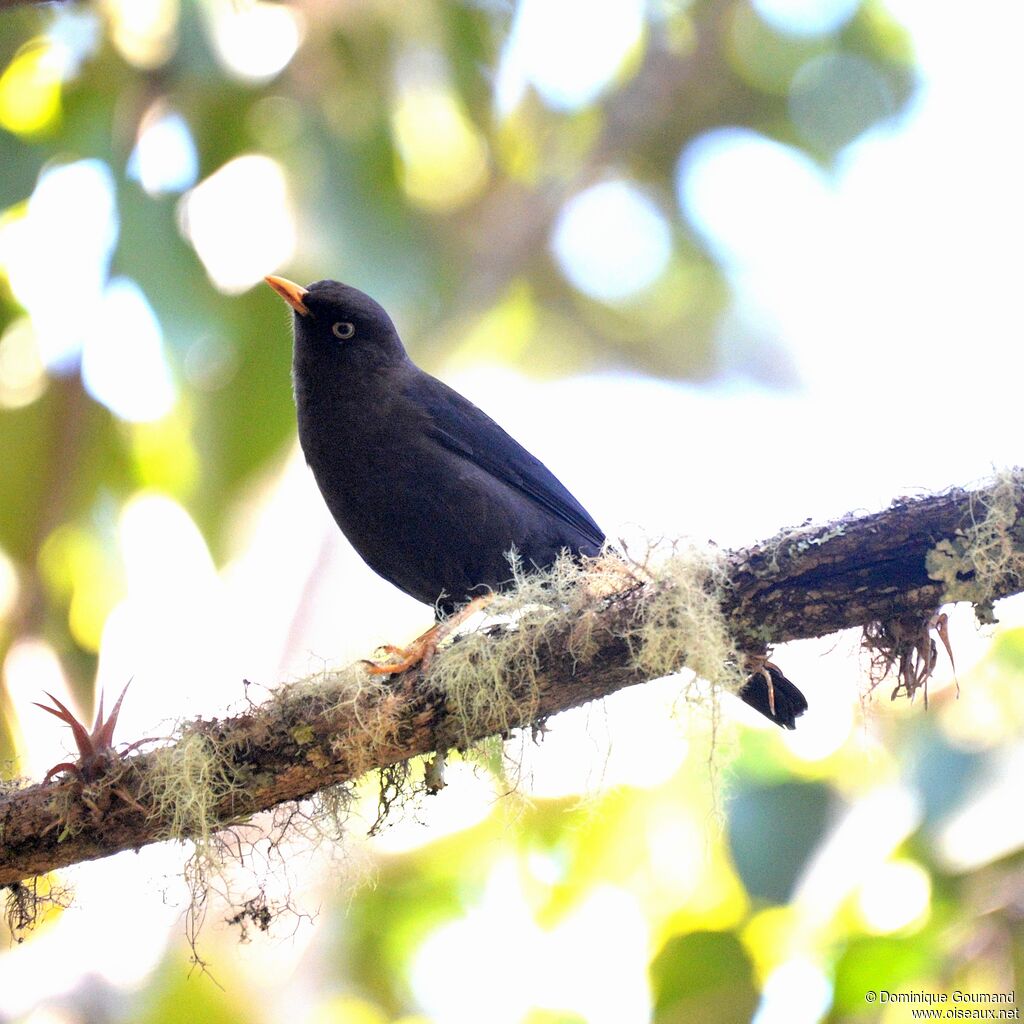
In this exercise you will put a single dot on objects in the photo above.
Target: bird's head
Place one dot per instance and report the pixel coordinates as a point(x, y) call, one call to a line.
point(337, 325)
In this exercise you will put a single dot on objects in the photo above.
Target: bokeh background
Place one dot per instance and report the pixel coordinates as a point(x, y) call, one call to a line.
point(725, 265)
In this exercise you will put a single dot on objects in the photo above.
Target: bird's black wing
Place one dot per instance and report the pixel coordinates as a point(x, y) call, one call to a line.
point(458, 425)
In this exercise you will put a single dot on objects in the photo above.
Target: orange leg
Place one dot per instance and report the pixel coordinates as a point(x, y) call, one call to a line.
point(421, 650)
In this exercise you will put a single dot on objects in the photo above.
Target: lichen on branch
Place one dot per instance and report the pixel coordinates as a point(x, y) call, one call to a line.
point(555, 641)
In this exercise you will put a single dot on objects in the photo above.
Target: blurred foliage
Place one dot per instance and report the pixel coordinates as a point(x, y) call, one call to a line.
point(757, 811)
point(411, 176)
point(704, 976)
point(175, 997)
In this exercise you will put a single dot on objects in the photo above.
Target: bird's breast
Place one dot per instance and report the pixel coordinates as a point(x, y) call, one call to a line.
point(428, 518)
point(409, 508)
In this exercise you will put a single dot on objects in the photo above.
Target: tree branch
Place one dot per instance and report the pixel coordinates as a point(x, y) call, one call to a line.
point(900, 564)
point(11, 4)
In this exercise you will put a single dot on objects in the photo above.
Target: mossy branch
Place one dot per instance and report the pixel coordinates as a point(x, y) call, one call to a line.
point(574, 636)
point(11, 4)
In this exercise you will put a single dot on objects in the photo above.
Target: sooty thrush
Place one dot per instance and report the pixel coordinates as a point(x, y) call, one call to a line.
point(428, 489)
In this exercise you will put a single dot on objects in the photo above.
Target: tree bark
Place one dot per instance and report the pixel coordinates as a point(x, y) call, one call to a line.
point(902, 563)
point(10, 4)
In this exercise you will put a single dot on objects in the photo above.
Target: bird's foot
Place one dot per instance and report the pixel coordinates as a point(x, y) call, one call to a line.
point(770, 692)
point(419, 652)
point(761, 669)
point(96, 751)
point(422, 650)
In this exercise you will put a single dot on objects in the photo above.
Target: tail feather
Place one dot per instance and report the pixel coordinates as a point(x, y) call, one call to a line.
point(761, 694)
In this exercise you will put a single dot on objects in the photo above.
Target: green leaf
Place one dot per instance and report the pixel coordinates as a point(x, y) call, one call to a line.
point(872, 964)
point(773, 830)
point(703, 976)
point(179, 993)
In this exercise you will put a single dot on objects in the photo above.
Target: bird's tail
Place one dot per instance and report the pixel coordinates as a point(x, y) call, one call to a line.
point(771, 693)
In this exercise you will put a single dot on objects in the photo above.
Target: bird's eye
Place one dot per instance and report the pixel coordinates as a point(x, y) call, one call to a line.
point(343, 330)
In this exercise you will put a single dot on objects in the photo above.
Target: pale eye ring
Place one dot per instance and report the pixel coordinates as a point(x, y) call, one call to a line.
point(344, 330)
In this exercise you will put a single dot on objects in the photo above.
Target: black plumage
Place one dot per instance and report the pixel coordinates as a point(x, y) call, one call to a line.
point(429, 490)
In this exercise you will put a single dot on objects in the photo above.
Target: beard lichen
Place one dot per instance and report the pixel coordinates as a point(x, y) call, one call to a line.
point(368, 705)
point(680, 623)
point(488, 675)
point(971, 563)
point(185, 786)
point(194, 788)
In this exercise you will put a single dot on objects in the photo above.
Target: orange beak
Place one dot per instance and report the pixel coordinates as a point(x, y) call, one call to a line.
point(291, 292)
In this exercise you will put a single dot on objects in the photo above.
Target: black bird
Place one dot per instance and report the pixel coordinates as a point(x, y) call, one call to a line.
point(428, 489)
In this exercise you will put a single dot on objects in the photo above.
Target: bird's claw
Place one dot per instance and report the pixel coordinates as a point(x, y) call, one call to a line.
point(759, 665)
point(422, 650)
point(768, 691)
point(419, 652)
